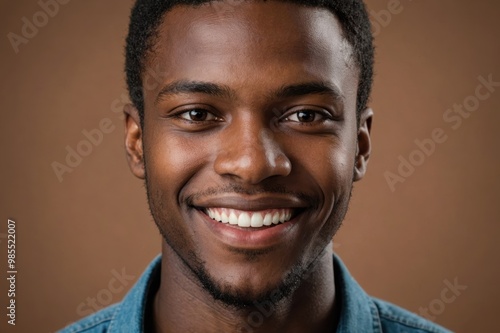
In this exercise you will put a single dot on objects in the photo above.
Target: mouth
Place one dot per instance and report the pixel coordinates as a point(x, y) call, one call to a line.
point(249, 223)
point(250, 219)
point(252, 229)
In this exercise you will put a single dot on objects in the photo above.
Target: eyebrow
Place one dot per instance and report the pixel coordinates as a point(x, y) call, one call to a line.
point(189, 87)
point(309, 88)
point(213, 89)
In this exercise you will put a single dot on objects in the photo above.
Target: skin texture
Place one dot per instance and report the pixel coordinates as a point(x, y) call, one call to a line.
point(272, 126)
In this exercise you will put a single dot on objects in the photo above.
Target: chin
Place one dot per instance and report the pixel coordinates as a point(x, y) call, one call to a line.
point(245, 292)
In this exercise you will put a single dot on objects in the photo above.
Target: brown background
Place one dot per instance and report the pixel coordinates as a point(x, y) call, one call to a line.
point(442, 223)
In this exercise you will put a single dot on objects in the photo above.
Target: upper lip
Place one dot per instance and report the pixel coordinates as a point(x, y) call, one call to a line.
point(251, 203)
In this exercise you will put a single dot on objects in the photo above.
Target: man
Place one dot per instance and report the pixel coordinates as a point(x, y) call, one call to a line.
point(249, 147)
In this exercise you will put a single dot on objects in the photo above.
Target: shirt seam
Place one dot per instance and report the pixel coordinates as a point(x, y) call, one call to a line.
point(112, 319)
point(89, 325)
point(99, 319)
point(407, 323)
point(377, 324)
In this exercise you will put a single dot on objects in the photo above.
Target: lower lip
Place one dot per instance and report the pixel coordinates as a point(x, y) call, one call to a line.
point(250, 238)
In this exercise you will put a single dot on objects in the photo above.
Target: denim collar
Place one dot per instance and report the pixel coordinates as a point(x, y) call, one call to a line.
point(358, 312)
point(130, 313)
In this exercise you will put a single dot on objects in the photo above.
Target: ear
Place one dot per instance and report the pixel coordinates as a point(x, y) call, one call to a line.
point(133, 141)
point(364, 144)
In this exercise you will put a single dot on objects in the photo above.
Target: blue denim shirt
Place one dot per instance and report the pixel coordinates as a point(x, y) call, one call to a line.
point(359, 312)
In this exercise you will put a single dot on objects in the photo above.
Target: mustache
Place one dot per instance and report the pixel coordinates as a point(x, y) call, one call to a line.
point(238, 189)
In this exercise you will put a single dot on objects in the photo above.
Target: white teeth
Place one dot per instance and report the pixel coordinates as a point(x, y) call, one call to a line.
point(244, 220)
point(249, 219)
point(268, 220)
point(233, 219)
point(282, 217)
point(276, 218)
point(257, 221)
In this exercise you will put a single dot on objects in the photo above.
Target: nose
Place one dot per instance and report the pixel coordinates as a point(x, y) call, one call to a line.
point(250, 153)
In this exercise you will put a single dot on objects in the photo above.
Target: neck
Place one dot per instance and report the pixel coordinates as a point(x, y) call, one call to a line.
point(182, 305)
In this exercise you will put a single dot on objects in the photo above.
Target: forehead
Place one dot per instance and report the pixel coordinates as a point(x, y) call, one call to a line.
point(243, 42)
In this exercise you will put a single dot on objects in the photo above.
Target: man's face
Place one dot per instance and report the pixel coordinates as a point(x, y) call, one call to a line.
point(253, 123)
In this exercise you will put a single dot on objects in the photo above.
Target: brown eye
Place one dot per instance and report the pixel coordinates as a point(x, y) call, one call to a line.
point(304, 116)
point(197, 115)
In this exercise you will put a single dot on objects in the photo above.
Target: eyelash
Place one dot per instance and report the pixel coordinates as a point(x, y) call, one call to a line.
point(179, 116)
point(326, 116)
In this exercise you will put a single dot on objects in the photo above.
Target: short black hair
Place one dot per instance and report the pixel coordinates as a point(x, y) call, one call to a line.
point(147, 15)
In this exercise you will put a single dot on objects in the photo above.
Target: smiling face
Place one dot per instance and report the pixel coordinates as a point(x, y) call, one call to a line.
point(250, 143)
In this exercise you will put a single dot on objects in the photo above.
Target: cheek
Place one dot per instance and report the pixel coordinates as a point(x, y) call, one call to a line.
point(341, 164)
point(171, 162)
point(332, 172)
point(170, 165)
point(331, 164)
